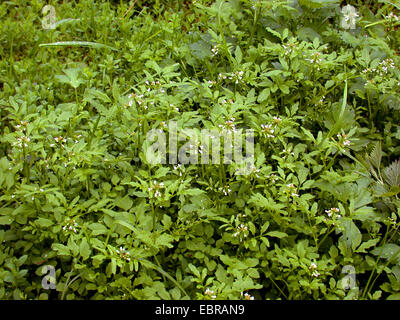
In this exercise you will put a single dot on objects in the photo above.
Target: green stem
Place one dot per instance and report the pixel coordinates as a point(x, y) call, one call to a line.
point(376, 264)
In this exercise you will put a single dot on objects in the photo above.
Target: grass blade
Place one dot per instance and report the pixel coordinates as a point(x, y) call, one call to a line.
point(77, 44)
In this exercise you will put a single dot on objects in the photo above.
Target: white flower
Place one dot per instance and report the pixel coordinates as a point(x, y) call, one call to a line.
point(392, 16)
point(210, 293)
point(333, 213)
point(315, 274)
point(268, 130)
point(247, 296)
point(123, 254)
point(225, 190)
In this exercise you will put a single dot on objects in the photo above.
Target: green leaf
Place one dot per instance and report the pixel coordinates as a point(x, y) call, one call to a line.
point(351, 234)
point(126, 224)
point(98, 228)
point(192, 192)
point(315, 4)
point(124, 203)
point(366, 245)
point(43, 222)
point(194, 270)
point(264, 95)
point(238, 55)
point(277, 234)
point(388, 251)
point(4, 220)
point(84, 249)
point(61, 249)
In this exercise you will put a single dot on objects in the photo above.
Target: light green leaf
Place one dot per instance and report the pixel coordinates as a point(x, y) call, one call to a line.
point(77, 44)
point(84, 249)
point(277, 234)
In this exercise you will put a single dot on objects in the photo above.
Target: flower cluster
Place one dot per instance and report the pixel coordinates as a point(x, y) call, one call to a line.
point(241, 229)
point(313, 269)
point(237, 76)
point(289, 48)
point(22, 141)
point(382, 69)
point(155, 189)
point(255, 171)
point(123, 254)
point(210, 293)
point(71, 225)
point(60, 140)
point(392, 16)
point(268, 130)
point(343, 141)
point(246, 296)
point(221, 76)
point(333, 213)
point(214, 50)
point(180, 169)
point(273, 177)
point(315, 59)
point(224, 102)
point(287, 153)
point(225, 190)
point(291, 190)
point(321, 101)
point(135, 97)
point(22, 126)
point(211, 83)
point(154, 85)
point(276, 120)
point(229, 125)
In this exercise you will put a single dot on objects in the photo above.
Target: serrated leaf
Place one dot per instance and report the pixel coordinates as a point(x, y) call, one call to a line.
point(366, 245)
point(375, 157)
point(391, 174)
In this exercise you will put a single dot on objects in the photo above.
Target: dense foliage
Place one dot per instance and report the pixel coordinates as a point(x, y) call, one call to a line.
point(317, 218)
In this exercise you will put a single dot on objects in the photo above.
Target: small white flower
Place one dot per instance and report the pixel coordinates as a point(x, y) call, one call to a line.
point(268, 130)
point(214, 50)
point(247, 296)
point(313, 266)
point(315, 274)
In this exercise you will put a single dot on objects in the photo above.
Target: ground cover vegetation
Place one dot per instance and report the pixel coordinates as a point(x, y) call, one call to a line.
point(83, 82)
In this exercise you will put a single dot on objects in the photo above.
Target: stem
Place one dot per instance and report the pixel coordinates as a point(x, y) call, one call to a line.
point(67, 285)
point(377, 261)
point(154, 216)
